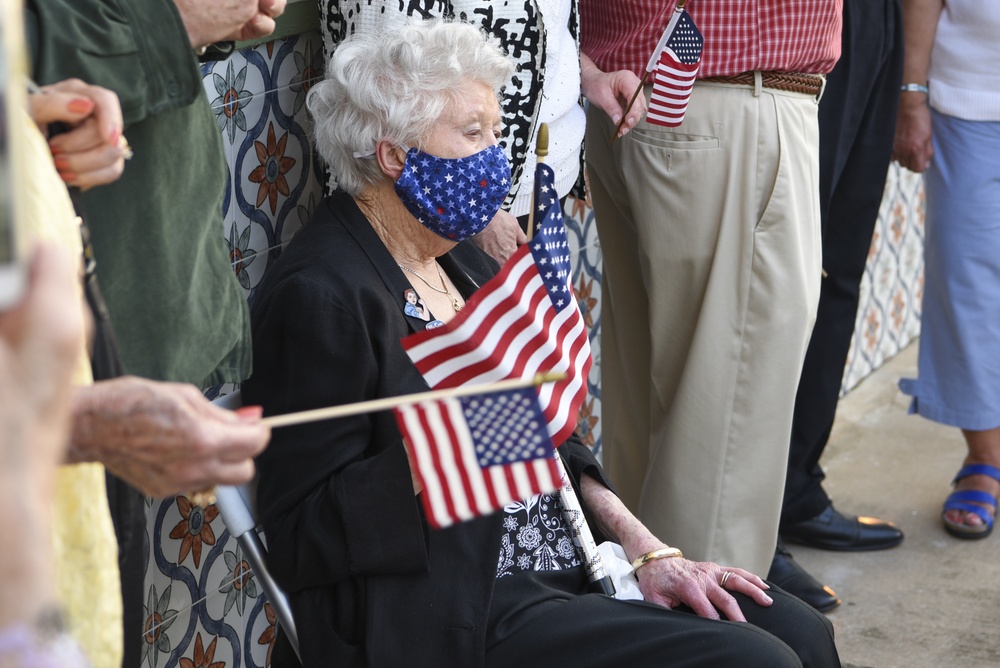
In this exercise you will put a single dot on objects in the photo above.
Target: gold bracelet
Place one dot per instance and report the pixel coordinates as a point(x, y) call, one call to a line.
point(661, 553)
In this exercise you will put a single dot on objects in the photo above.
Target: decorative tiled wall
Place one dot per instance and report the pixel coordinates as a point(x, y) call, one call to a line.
point(892, 288)
point(204, 607)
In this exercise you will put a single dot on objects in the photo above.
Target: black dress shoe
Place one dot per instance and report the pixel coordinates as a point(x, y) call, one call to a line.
point(790, 576)
point(830, 530)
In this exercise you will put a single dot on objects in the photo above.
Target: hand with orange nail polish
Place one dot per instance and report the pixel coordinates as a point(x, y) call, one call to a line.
point(89, 151)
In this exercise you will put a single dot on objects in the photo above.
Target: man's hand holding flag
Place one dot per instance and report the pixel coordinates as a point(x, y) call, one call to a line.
point(673, 67)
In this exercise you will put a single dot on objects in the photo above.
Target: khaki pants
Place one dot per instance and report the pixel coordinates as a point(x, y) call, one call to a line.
point(710, 236)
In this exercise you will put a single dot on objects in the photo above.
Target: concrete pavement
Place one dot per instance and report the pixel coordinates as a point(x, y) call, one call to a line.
point(934, 600)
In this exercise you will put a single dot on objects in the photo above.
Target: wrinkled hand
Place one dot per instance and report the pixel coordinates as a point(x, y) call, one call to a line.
point(675, 581)
point(90, 152)
point(671, 581)
point(41, 341)
point(210, 21)
point(611, 91)
point(262, 23)
point(164, 438)
point(501, 237)
point(913, 147)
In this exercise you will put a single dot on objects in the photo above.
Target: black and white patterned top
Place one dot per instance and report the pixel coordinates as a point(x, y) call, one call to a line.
point(516, 23)
point(536, 538)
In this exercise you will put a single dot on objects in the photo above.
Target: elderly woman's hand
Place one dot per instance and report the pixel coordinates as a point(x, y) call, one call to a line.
point(501, 237)
point(91, 152)
point(676, 581)
point(672, 581)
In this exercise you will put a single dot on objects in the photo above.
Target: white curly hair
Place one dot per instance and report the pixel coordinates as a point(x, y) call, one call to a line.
point(395, 85)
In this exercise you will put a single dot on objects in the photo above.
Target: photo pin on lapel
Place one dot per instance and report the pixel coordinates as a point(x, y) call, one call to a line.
point(414, 306)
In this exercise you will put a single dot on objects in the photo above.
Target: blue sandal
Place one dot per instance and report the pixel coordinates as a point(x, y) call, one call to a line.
point(966, 500)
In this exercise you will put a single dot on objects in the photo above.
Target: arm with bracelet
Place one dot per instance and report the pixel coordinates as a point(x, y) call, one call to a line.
point(913, 146)
point(665, 576)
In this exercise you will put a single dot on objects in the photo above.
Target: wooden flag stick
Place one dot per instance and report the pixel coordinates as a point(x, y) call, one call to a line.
point(651, 65)
point(391, 402)
point(541, 150)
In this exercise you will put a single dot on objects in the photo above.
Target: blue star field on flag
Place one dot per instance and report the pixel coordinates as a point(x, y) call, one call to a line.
point(549, 245)
point(676, 69)
point(506, 427)
point(476, 454)
point(686, 41)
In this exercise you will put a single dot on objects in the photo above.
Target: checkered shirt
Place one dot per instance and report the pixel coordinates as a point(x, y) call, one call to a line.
point(740, 35)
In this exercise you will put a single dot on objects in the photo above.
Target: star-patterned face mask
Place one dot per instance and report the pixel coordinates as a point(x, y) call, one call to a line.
point(454, 197)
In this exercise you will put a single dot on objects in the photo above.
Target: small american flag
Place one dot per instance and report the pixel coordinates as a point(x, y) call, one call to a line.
point(523, 321)
point(676, 69)
point(476, 454)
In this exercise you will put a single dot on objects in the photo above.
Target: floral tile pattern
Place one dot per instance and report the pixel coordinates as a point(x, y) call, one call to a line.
point(231, 100)
point(892, 287)
point(204, 607)
point(581, 232)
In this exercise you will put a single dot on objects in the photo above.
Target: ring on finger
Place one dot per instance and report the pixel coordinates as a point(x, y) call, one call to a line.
point(725, 578)
point(204, 498)
point(125, 148)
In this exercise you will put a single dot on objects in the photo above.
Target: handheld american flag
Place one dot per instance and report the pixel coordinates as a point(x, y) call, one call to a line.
point(476, 454)
point(678, 58)
point(523, 321)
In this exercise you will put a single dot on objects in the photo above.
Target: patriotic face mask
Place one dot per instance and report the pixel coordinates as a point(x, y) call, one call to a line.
point(454, 197)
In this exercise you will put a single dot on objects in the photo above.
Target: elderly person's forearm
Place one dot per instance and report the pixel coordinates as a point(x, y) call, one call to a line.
point(920, 20)
point(25, 557)
point(913, 143)
point(40, 341)
point(164, 438)
point(616, 521)
point(671, 581)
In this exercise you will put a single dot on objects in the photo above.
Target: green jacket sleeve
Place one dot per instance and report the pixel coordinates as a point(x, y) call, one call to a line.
point(137, 48)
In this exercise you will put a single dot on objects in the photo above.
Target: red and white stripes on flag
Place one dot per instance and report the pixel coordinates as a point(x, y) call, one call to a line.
point(675, 72)
point(476, 454)
point(522, 322)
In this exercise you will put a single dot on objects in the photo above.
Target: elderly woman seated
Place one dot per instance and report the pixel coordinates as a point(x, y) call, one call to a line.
point(369, 582)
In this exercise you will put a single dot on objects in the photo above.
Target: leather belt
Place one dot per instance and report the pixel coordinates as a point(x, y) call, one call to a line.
point(793, 82)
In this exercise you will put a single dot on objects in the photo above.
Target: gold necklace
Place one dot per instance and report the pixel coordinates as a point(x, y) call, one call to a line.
point(455, 304)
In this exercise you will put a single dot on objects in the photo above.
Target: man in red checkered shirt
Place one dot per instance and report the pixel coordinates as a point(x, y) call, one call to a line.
point(711, 243)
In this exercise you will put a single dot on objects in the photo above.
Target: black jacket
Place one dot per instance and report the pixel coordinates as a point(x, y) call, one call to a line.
point(370, 583)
